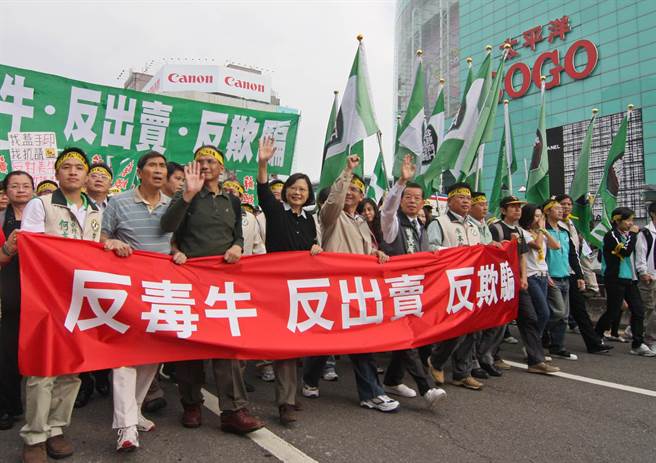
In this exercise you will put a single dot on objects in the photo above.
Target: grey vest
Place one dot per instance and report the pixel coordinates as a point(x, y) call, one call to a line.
point(407, 241)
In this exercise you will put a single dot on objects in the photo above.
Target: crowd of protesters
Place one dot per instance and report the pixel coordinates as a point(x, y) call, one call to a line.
point(188, 211)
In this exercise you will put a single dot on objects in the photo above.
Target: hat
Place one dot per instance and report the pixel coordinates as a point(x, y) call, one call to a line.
point(510, 200)
point(72, 153)
point(478, 197)
point(101, 168)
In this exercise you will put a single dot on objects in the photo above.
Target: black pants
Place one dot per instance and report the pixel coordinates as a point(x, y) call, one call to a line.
point(402, 361)
point(91, 378)
point(527, 322)
point(10, 379)
point(579, 312)
point(618, 290)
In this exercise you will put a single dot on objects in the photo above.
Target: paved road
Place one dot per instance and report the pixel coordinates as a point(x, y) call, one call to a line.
point(519, 417)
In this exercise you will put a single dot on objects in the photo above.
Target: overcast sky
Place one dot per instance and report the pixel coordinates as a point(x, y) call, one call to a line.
point(308, 45)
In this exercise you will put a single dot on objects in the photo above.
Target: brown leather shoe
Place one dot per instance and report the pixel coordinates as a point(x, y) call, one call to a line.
point(35, 453)
point(468, 383)
point(438, 375)
point(542, 368)
point(287, 413)
point(240, 422)
point(59, 447)
point(191, 418)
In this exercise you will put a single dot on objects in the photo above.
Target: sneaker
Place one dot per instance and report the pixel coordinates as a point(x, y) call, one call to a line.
point(653, 348)
point(381, 403)
point(468, 383)
point(267, 374)
point(542, 368)
point(628, 333)
point(643, 351)
point(547, 358)
point(438, 375)
point(329, 374)
point(501, 365)
point(600, 349)
point(433, 396)
point(564, 354)
point(144, 424)
point(128, 439)
point(401, 390)
point(510, 340)
point(310, 392)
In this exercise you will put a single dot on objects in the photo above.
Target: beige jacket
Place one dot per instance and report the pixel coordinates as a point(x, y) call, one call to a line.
point(253, 242)
point(342, 232)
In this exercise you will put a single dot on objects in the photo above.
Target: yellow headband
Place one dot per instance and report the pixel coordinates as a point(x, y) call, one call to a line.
point(72, 155)
point(479, 199)
point(234, 185)
point(460, 191)
point(618, 218)
point(276, 187)
point(47, 186)
point(358, 183)
point(549, 205)
point(209, 151)
point(100, 170)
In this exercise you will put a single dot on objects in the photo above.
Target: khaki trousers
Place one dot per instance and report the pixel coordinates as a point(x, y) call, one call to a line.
point(286, 381)
point(48, 406)
point(130, 386)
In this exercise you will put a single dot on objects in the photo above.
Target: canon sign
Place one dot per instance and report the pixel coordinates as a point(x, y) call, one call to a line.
point(211, 79)
point(237, 83)
point(176, 78)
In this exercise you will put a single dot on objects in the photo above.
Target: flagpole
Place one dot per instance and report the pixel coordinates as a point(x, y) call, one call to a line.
point(506, 124)
point(379, 137)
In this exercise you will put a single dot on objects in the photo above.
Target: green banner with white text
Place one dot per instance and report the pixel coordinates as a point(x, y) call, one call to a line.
point(118, 125)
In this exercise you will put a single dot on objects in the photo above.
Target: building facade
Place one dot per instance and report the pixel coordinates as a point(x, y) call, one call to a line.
point(594, 53)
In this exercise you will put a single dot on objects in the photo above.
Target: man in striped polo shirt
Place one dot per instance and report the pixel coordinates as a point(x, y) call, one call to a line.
point(132, 222)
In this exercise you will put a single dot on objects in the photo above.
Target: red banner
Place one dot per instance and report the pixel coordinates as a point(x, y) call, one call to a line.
point(86, 309)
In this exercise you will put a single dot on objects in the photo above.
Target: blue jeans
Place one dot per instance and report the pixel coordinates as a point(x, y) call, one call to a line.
point(537, 288)
point(364, 367)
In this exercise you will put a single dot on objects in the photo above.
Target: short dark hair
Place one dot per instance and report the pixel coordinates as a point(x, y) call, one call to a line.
point(624, 213)
point(293, 179)
point(173, 167)
point(561, 198)
point(322, 197)
point(15, 173)
point(413, 185)
point(651, 209)
point(141, 163)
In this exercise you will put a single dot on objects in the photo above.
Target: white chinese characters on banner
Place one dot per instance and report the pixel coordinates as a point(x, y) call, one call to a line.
point(488, 278)
point(82, 115)
point(231, 312)
point(314, 316)
point(170, 308)
point(278, 130)
point(406, 291)
point(12, 94)
point(119, 121)
point(492, 285)
point(210, 130)
point(155, 119)
point(243, 131)
point(80, 292)
point(33, 152)
point(363, 316)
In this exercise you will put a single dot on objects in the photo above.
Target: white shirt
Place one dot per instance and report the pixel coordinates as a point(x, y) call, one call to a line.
point(536, 263)
point(34, 216)
point(389, 221)
point(644, 262)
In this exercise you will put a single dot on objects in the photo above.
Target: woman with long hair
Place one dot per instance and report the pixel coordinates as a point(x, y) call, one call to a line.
point(369, 210)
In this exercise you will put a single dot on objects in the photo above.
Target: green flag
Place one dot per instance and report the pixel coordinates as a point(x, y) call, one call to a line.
point(506, 164)
point(580, 188)
point(355, 121)
point(434, 133)
point(411, 131)
point(332, 126)
point(610, 185)
point(473, 158)
point(462, 127)
point(378, 183)
point(537, 190)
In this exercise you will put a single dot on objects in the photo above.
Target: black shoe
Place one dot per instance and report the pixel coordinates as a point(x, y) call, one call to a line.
point(83, 397)
point(479, 373)
point(153, 405)
point(249, 387)
point(491, 369)
point(600, 349)
point(6, 421)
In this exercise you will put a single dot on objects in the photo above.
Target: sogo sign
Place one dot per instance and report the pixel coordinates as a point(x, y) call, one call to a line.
point(211, 79)
point(519, 76)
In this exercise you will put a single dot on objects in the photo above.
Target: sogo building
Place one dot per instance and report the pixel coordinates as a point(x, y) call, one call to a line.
point(595, 54)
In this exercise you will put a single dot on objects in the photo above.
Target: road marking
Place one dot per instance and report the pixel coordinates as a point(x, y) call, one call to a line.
point(598, 382)
point(270, 442)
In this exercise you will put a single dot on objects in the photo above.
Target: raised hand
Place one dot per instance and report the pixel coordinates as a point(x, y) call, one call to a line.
point(194, 180)
point(352, 162)
point(266, 150)
point(408, 169)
